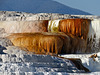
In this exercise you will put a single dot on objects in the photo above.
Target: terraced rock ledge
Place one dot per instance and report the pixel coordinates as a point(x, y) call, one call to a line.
point(16, 60)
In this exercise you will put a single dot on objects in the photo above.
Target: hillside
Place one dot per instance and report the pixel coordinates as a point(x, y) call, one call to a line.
point(38, 6)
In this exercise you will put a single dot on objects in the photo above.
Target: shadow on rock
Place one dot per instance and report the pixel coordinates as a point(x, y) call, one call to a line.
point(1, 49)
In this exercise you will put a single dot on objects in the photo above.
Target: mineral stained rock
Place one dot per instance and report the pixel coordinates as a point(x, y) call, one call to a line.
point(38, 43)
point(76, 27)
point(49, 43)
point(77, 45)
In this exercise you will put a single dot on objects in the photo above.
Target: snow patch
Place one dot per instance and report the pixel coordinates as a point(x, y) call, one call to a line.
point(93, 64)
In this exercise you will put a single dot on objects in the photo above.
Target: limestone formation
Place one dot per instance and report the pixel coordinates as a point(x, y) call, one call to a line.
point(82, 46)
point(73, 34)
point(93, 42)
point(19, 51)
point(15, 50)
point(76, 27)
point(24, 26)
point(49, 43)
point(39, 43)
point(22, 16)
point(77, 45)
point(53, 26)
point(5, 42)
point(38, 64)
point(20, 22)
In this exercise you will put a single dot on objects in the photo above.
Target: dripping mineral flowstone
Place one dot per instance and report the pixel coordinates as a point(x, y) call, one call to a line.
point(94, 36)
point(49, 43)
point(76, 27)
point(77, 30)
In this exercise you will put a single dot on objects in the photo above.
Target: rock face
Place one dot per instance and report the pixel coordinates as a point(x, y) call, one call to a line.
point(49, 43)
point(38, 43)
point(68, 26)
point(24, 26)
point(77, 44)
point(68, 40)
point(82, 46)
point(94, 36)
point(76, 27)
